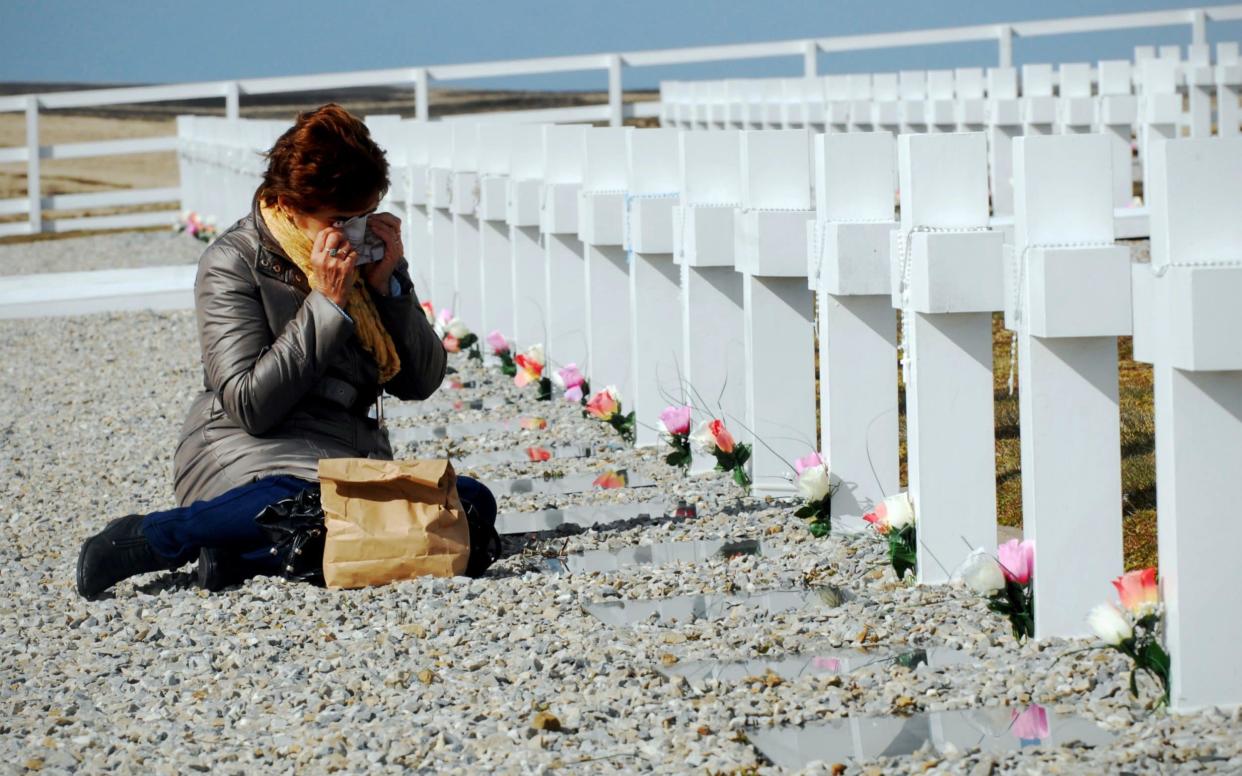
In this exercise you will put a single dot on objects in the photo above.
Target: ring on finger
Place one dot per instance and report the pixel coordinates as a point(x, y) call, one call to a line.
point(333, 251)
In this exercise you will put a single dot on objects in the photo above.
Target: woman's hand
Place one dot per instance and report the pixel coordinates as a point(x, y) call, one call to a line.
point(387, 227)
point(334, 275)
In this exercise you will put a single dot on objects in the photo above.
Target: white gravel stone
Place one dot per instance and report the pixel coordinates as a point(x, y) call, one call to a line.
point(448, 675)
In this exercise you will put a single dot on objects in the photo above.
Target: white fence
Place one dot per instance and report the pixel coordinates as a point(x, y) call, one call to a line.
point(614, 112)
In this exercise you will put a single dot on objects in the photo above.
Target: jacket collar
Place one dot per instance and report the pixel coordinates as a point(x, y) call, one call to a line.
point(271, 259)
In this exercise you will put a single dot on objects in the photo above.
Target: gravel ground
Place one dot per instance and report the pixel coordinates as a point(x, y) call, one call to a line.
point(450, 675)
point(114, 250)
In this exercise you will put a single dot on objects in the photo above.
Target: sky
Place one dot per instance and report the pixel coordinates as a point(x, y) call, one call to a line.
point(168, 41)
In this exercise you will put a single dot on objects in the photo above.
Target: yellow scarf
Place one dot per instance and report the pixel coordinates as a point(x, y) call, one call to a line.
point(370, 330)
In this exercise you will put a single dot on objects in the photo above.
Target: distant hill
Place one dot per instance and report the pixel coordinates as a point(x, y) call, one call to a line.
point(367, 99)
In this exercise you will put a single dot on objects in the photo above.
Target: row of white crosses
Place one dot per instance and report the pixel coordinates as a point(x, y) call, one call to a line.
point(1115, 97)
point(687, 266)
point(221, 164)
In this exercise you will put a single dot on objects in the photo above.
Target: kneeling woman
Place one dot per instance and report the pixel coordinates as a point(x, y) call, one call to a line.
point(297, 343)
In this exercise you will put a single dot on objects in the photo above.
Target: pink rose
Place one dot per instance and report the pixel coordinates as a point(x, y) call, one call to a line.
point(570, 376)
point(1138, 591)
point(451, 344)
point(497, 342)
point(1017, 560)
point(676, 420)
point(603, 405)
point(574, 394)
point(808, 462)
point(724, 440)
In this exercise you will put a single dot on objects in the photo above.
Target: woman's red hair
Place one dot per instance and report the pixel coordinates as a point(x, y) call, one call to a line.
point(326, 160)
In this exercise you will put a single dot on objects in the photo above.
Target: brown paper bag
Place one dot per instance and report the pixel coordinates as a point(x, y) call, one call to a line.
point(391, 520)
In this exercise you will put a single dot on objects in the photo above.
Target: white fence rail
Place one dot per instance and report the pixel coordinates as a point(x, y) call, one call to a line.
point(612, 64)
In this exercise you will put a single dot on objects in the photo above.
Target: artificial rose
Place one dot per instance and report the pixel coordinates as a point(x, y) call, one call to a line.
point(711, 436)
point(530, 366)
point(814, 483)
point(1017, 560)
point(605, 404)
point(723, 439)
point(676, 420)
point(807, 462)
point(1138, 592)
point(497, 342)
point(1109, 624)
point(538, 453)
point(457, 328)
point(532, 424)
point(893, 513)
point(982, 574)
point(1030, 724)
point(568, 377)
point(611, 480)
point(570, 380)
point(702, 438)
point(430, 312)
point(451, 343)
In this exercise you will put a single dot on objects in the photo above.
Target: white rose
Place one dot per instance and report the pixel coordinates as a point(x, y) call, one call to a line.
point(900, 512)
point(814, 482)
point(1109, 624)
point(457, 328)
point(702, 439)
point(982, 574)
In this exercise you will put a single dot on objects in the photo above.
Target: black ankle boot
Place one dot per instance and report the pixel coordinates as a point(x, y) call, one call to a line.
point(118, 552)
point(218, 569)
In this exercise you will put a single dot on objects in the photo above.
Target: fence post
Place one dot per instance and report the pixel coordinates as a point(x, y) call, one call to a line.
point(810, 59)
point(616, 92)
point(1004, 46)
point(1068, 299)
point(1198, 27)
point(34, 187)
point(232, 100)
point(422, 110)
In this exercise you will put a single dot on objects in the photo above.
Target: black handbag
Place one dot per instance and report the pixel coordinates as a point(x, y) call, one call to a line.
point(296, 529)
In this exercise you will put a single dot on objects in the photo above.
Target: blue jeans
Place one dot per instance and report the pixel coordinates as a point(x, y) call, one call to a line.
point(227, 522)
